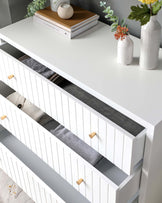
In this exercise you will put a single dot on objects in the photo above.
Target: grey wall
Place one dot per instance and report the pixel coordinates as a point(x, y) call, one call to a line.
point(5, 17)
point(14, 10)
point(18, 9)
point(121, 9)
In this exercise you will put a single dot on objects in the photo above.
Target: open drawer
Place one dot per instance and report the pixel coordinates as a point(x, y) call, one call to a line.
point(92, 182)
point(35, 177)
point(32, 185)
point(115, 136)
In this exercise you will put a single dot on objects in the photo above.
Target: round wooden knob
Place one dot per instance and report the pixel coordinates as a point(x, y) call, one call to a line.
point(3, 117)
point(79, 181)
point(92, 135)
point(10, 77)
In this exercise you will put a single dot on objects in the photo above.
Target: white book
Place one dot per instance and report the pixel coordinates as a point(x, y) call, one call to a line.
point(68, 34)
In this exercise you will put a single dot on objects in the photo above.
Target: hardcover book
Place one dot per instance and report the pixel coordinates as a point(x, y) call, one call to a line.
point(80, 18)
point(69, 34)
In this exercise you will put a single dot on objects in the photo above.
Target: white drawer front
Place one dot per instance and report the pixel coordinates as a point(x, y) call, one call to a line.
point(113, 142)
point(95, 186)
point(26, 179)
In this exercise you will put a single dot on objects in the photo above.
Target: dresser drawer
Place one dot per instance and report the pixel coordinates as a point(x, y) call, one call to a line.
point(112, 141)
point(88, 180)
point(26, 179)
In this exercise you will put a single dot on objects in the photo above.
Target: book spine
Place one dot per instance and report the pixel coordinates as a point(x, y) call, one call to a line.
point(86, 24)
point(75, 27)
point(84, 28)
point(56, 28)
point(52, 22)
point(61, 31)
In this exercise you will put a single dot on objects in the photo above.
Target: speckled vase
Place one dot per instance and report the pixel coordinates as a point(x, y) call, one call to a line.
point(65, 11)
point(56, 3)
point(150, 44)
point(125, 51)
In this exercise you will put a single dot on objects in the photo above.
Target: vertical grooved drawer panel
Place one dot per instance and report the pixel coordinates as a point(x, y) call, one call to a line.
point(65, 161)
point(110, 139)
point(26, 179)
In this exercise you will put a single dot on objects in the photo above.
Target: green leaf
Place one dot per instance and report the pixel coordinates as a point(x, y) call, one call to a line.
point(156, 7)
point(34, 6)
point(111, 12)
point(102, 3)
point(114, 27)
point(140, 13)
point(123, 23)
point(107, 16)
point(107, 10)
point(114, 19)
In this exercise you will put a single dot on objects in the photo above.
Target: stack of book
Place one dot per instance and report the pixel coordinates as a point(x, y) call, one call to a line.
point(81, 21)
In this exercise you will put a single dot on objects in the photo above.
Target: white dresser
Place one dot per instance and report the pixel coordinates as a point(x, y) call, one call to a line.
point(121, 119)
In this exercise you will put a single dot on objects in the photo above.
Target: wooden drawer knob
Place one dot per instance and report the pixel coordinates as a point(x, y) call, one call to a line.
point(92, 135)
point(10, 77)
point(79, 181)
point(3, 117)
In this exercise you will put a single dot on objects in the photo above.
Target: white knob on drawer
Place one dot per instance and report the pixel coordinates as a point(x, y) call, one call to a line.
point(10, 77)
point(92, 135)
point(3, 117)
point(79, 181)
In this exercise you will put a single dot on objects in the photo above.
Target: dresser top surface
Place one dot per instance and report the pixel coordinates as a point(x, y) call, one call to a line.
point(89, 61)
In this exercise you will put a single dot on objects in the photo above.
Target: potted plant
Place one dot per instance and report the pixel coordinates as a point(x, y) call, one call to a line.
point(34, 6)
point(125, 44)
point(146, 14)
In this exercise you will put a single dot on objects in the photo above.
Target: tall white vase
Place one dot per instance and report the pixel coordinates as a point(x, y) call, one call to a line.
point(125, 51)
point(56, 3)
point(150, 44)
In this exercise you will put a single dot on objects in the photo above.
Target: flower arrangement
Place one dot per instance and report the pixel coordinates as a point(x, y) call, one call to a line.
point(120, 29)
point(144, 11)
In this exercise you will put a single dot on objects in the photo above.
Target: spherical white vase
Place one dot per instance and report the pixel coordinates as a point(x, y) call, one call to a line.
point(56, 3)
point(150, 44)
point(125, 51)
point(65, 11)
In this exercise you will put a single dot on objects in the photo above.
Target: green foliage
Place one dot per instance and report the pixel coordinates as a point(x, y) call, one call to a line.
point(156, 7)
point(140, 13)
point(34, 6)
point(111, 17)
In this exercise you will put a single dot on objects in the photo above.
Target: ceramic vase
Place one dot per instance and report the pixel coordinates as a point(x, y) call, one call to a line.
point(150, 44)
point(65, 11)
point(125, 51)
point(56, 3)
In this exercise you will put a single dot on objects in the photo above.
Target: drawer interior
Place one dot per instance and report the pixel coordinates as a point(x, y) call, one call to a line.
point(102, 164)
point(64, 190)
point(42, 170)
point(108, 170)
point(115, 116)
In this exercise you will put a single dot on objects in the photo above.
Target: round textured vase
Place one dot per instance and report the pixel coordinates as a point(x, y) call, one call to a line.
point(125, 51)
point(56, 3)
point(150, 44)
point(65, 11)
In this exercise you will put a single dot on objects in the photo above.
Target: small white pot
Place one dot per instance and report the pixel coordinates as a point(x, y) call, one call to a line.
point(150, 44)
point(125, 51)
point(65, 11)
point(56, 3)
